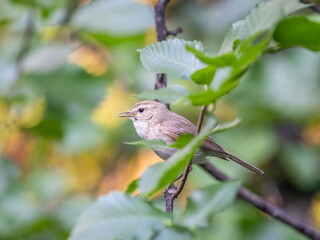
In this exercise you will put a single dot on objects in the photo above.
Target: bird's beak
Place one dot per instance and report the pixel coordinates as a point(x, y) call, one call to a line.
point(126, 114)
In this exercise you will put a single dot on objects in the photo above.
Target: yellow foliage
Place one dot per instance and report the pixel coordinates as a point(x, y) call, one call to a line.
point(52, 33)
point(93, 59)
point(150, 36)
point(311, 134)
point(224, 111)
point(14, 115)
point(127, 171)
point(117, 100)
point(83, 171)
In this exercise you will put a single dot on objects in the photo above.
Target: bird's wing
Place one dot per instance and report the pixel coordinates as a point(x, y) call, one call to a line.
point(175, 128)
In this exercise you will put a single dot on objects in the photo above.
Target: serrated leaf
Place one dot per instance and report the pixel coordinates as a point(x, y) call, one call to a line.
point(161, 174)
point(204, 76)
point(155, 144)
point(298, 31)
point(171, 57)
point(169, 95)
point(204, 203)
point(121, 216)
point(263, 17)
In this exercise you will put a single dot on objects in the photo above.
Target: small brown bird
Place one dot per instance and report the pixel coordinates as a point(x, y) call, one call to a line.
point(153, 120)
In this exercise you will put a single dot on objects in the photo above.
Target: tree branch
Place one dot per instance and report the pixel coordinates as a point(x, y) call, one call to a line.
point(161, 79)
point(25, 44)
point(313, 7)
point(264, 205)
point(70, 10)
point(162, 34)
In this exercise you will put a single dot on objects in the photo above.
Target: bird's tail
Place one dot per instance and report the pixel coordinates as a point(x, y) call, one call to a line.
point(230, 156)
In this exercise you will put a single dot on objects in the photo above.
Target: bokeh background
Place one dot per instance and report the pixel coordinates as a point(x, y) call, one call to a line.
point(67, 68)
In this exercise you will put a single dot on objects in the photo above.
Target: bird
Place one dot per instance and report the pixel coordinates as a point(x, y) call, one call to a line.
point(153, 120)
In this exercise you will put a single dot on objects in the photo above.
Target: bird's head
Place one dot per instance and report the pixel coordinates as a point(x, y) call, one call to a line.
point(145, 110)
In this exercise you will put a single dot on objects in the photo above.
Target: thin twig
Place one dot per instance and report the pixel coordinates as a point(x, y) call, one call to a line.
point(70, 10)
point(313, 7)
point(25, 44)
point(200, 120)
point(188, 167)
point(264, 205)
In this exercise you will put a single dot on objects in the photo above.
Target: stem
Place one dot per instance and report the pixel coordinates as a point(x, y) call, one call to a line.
point(188, 167)
point(314, 7)
point(162, 34)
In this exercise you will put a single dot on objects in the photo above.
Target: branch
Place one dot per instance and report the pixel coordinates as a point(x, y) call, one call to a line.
point(264, 205)
point(25, 44)
point(70, 9)
point(162, 34)
point(313, 7)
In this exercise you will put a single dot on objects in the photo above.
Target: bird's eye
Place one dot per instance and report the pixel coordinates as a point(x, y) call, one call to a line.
point(141, 110)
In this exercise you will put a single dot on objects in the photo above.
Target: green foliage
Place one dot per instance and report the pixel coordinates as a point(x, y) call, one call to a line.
point(204, 76)
point(182, 141)
point(171, 57)
point(55, 156)
point(122, 216)
point(262, 18)
point(133, 186)
point(156, 144)
point(298, 31)
point(203, 203)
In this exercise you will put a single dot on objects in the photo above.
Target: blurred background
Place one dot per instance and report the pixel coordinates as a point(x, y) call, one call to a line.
point(67, 68)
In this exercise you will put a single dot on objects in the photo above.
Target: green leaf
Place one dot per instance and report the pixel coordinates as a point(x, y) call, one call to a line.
point(113, 40)
point(217, 61)
point(121, 216)
point(108, 17)
point(132, 186)
point(182, 141)
point(171, 57)
point(202, 204)
point(221, 127)
point(263, 17)
point(159, 175)
point(204, 76)
point(155, 144)
point(171, 94)
point(298, 31)
point(204, 97)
